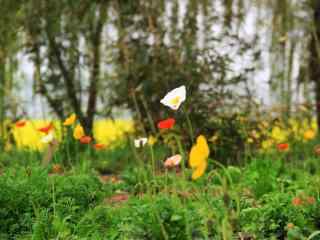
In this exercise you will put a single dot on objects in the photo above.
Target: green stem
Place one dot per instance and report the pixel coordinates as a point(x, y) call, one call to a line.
point(153, 161)
point(190, 128)
point(182, 153)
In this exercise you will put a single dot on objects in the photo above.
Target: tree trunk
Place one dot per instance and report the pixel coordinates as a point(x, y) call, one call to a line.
point(95, 72)
point(315, 56)
point(2, 95)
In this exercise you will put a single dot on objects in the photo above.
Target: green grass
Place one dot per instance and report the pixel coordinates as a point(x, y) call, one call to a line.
point(255, 200)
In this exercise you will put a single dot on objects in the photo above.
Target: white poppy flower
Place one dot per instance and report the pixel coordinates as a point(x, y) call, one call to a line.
point(174, 98)
point(140, 142)
point(48, 138)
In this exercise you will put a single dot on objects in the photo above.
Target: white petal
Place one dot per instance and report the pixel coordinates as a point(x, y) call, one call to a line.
point(137, 143)
point(140, 142)
point(48, 138)
point(143, 141)
point(177, 92)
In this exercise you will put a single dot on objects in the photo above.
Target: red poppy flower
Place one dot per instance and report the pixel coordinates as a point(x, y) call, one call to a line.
point(296, 201)
point(99, 146)
point(46, 129)
point(166, 124)
point(21, 123)
point(283, 147)
point(85, 139)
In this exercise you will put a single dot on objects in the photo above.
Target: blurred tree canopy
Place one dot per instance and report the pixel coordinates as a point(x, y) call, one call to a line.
point(92, 56)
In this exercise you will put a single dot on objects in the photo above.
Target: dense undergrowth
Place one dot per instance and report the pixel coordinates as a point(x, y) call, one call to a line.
point(267, 198)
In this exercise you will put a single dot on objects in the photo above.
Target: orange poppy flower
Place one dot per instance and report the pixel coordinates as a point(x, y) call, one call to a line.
point(166, 124)
point(311, 200)
point(282, 147)
point(296, 201)
point(57, 168)
point(290, 225)
point(21, 123)
point(78, 132)
point(173, 161)
point(46, 129)
point(317, 150)
point(85, 139)
point(99, 146)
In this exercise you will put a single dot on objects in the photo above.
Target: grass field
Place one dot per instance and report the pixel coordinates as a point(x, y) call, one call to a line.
point(124, 192)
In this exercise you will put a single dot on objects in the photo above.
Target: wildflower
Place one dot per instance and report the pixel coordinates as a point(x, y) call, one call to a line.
point(47, 138)
point(317, 150)
point(174, 98)
point(99, 146)
point(254, 134)
point(21, 123)
point(250, 140)
point(309, 135)
point(214, 138)
point(78, 132)
point(198, 157)
point(152, 140)
point(311, 200)
point(57, 168)
point(264, 125)
point(290, 225)
point(199, 171)
point(296, 201)
point(166, 124)
point(70, 120)
point(266, 144)
point(278, 135)
point(173, 161)
point(85, 139)
point(140, 142)
point(46, 129)
point(283, 147)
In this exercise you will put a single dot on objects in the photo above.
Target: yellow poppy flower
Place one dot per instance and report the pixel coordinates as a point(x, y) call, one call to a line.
point(78, 132)
point(199, 171)
point(198, 157)
point(70, 120)
point(152, 140)
point(266, 144)
point(278, 134)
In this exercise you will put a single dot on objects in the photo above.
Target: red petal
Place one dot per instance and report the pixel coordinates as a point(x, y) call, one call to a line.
point(46, 129)
point(85, 139)
point(21, 123)
point(166, 124)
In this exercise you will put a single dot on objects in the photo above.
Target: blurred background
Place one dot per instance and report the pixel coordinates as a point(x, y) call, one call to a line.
point(116, 59)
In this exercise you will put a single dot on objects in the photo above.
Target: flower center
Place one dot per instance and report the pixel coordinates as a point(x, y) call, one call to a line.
point(175, 100)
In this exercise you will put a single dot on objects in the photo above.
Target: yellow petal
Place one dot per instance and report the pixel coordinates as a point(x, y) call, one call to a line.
point(152, 140)
point(309, 135)
point(199, 152)
point(199, 171)
point(203, 147)
point(70, 120)
point(195, 157)
point(78, 132)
